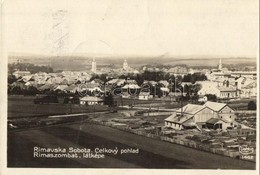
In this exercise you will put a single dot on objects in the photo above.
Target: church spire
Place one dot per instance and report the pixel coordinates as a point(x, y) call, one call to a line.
point(125, 65)
point(94, 66)
point(220, 64)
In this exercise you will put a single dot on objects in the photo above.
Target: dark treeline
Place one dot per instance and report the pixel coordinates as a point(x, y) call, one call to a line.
point(28, 67)
point(155, 76)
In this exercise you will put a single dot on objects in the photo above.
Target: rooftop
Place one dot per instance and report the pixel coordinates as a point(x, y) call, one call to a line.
point(214, 105)
point(191, 109)
point(212, 121)
point(90, 98)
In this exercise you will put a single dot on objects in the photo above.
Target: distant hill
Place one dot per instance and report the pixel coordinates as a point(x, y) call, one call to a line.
point(84, 62)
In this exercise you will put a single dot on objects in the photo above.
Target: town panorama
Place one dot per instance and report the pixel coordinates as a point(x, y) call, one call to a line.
point(118, 114)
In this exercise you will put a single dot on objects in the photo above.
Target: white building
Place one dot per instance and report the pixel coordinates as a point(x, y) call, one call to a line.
point(214, 88)
point(94, 66)
point(18, 74)
point(89, 100)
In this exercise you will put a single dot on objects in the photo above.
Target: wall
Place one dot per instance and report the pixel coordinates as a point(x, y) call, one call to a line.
point(226, 113)
point(204, 115)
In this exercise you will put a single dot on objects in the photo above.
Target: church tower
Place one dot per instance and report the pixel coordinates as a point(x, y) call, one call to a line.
point(94, 66)
point(125, 65)
point(220, 65)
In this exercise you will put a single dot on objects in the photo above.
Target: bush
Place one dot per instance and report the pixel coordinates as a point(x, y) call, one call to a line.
point(251, 105)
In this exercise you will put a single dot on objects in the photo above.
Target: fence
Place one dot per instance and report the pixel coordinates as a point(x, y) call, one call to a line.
point(246, 111)
point(175, 140)
point(157, 113)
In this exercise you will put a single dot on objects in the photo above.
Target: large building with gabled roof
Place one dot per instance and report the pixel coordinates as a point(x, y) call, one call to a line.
point(198, 116)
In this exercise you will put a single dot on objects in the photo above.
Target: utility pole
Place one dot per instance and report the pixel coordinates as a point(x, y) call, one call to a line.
point(181, 101)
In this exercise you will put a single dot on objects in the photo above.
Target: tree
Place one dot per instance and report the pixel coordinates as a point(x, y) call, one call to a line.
point(16, 90)
point(211, 97)
point(103, 77)
point(109, 100)
point(251, 105)
point(31, 91)
point(139, 79)
point(11, 79)
point(187, 78)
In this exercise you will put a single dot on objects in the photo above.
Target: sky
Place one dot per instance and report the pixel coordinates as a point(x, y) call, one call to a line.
point(132, 27)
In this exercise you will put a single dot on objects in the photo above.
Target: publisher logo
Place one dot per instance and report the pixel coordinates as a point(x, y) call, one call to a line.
point(246, 150)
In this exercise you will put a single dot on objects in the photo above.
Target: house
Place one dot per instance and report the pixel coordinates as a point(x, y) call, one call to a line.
point(165, 91)
point(250, 90)
point(249, 74)
point(221, 92)
point(97, 81)
point(130, 90)
point(117, 82)
point(188, 116)
point(89, 100)
point(207, 87)
point(18, 74)
point(152, 83)
point(72, 88)
point(216, 123)
point(61, 87)
point(247, 87)
point(26, 78)
point(131, 86)
point(47, 86)
point(164, 83)
point(178, 70)
point(216, 75)
point(227, 93)
point(223, 110)
point(90, 87)
point(211, 115)
point(203, 98)
point(144, 96)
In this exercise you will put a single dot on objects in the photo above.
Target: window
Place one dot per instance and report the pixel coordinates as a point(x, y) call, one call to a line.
point(229, 116)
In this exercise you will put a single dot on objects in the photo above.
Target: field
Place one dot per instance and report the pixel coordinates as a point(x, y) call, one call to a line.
point(23, 106)
point(84, 135)
point(77, 132)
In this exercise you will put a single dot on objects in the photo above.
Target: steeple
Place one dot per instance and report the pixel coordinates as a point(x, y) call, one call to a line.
point(94, 66)
point(220, 65)
point(125, 65)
